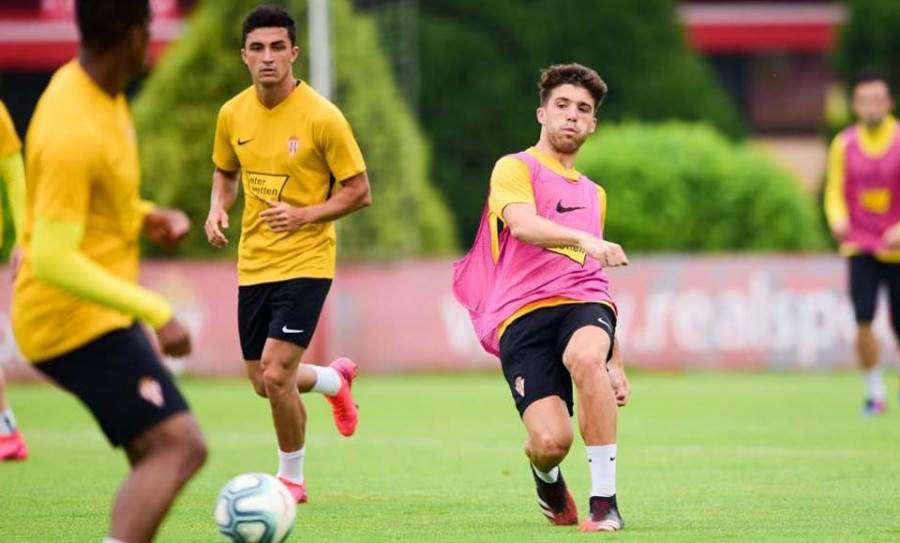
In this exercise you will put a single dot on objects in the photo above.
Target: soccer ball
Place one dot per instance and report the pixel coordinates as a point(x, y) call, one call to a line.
point(255, 508)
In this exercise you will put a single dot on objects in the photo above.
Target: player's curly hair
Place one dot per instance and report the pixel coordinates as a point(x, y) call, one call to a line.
point(572, 74)
point(103, 23)
point(269, 17)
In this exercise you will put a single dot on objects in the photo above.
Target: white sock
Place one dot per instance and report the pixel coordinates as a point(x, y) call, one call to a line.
point(875, 389)
point(602, 462)
point(290, 465)
point(328, 382)
point(111, 540)
point(549, 477)
point(7, 422)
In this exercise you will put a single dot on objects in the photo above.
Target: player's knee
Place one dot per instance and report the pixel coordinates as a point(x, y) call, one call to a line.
point(277, 378)
point(587, 364)
point(550, 448)
point(259, 386)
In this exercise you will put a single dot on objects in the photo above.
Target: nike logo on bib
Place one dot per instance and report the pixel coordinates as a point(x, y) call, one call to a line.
point(287, 330)
point(561, 209)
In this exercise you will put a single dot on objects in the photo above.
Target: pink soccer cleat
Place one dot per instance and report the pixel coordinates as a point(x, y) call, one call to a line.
point(298, 491)
point(13, 447)
point(604, 516)
point(344, 409)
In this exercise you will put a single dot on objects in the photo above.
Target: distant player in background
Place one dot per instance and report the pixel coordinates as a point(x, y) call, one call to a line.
point(536, 291)
point(289, 146)
point(862, 204)
point(12, 172)
point(76, 296)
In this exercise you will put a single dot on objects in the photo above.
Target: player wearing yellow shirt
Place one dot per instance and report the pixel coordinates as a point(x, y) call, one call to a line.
point(862, 205)
point(12, 172)
point(292, 149)
point(76, 298)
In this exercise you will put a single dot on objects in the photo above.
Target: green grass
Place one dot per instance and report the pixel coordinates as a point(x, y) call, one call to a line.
point(702, 457)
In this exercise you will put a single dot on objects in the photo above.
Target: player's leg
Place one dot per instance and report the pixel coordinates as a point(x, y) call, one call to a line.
point(892, 273)
point(122, 382)
point(542, 391)
point(586, 336)
point(865, 277)
point(12, 444)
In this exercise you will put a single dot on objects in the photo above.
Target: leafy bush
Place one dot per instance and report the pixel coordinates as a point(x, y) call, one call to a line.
point(176, 115)
point(683, 187)
point(480, 62)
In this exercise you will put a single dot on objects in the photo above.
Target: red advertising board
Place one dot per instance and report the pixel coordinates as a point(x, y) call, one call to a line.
point(676, 312)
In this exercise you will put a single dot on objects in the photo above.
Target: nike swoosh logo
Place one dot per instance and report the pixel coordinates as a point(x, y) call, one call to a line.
point(562, 209)
point(242, 142)
point(287, 330)
point(612, 458)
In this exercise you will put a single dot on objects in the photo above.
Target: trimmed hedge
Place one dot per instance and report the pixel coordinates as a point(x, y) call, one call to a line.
point(685, 188)
point(176, 115)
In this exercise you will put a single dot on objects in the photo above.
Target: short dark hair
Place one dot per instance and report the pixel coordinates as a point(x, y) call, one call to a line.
point(103, 23)
point(267, 17)
point(572, 74)
point(868, 76)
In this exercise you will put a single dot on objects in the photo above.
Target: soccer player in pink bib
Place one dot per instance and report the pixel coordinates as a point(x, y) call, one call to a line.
point(862, 204)
point(538, 297)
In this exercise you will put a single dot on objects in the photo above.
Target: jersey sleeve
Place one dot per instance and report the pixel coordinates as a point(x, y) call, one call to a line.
point(510, 184)
point(339, 147)
point(835, 203)
point(9, 140)
point(601, 200)
point(223, 155)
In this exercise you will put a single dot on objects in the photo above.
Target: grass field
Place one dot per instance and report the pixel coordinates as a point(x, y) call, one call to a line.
point(702, 457)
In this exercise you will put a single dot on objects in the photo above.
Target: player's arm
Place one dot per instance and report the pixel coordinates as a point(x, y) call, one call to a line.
point(221, 199)
point(835, 202)
point(617, 378)
point(353, 195)
point(512, 200)
point(12, 171)
point(224, 181)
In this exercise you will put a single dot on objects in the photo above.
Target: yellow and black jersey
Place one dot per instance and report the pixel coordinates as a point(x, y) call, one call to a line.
point(9, 139)
point(83, 170)
point(291, 153)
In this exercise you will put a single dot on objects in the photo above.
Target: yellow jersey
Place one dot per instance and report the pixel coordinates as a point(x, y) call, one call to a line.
point(511, 184)
point(82, 167)
point(293, 153)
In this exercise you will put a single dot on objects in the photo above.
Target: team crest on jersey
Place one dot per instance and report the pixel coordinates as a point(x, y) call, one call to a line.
point(520, 386)
point(150, 390)
point(293, 144)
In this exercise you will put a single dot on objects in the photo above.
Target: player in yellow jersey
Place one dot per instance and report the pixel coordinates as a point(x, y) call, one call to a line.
point(288, 145)
point(12, 172)
point(76, 298)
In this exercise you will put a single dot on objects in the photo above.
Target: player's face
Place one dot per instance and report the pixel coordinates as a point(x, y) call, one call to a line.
point(872, 102)
point(269, 55)
point(568, 117)
point(139, 48)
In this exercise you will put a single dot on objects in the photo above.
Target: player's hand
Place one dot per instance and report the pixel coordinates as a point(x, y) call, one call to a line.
point(174, 339)
point(619, 381)
point(215, 222)
point(282, 217)
point(840, 230)
point(891, 237)
point(15, 261)
point(609, 254)
point(166, 227)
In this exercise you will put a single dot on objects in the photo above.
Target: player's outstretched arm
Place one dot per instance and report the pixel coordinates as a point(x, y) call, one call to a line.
point(12, 171)
point(354, 195)
point(528, 227)
point(59, 262)
point(166, 226)
point(222, 197)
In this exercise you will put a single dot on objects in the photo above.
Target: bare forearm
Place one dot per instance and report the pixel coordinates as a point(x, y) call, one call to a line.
point(224, 190)
point(541, 232)
point(341, 204)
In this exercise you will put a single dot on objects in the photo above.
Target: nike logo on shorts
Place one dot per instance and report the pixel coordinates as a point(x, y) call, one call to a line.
point(287, 330)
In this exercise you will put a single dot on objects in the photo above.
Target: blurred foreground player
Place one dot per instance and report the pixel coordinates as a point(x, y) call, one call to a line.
point(538, 297)
point(12, 172)
point(862, 204)
point(76, 298)
point(291, 148)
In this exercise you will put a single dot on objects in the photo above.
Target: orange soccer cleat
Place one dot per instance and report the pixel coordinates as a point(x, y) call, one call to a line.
point(344, 409)
point(298, 491)
point(13, 447)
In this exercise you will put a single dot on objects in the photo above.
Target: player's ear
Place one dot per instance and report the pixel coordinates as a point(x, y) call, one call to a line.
point(541, 115)
point(244, 57)
point(593, 125)
point(295, 52)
